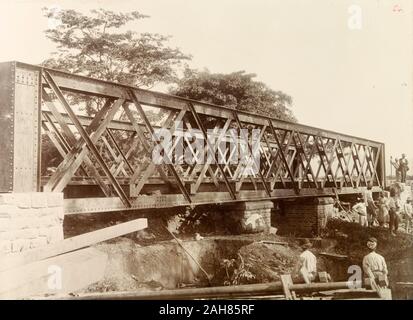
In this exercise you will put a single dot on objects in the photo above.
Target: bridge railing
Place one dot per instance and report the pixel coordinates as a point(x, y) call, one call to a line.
point(147, 149)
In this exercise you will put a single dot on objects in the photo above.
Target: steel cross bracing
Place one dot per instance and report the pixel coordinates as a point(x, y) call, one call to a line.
point(105, 162)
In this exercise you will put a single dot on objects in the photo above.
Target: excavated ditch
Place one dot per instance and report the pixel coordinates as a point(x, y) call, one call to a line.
point(166, 265)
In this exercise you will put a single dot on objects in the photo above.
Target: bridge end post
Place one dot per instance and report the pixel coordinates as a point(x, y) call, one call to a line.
point(28, 218)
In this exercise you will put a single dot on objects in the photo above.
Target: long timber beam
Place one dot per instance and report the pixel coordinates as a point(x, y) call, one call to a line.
point(246, 290)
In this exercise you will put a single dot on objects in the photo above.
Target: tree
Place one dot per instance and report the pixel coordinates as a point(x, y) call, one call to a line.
point(237, 90)
point(95, 46)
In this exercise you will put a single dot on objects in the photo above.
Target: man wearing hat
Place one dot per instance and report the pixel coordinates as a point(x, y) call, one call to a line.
point(370, 204)
point(361, 209)
point(308, 262)
point(403, 168)
point(374, 265)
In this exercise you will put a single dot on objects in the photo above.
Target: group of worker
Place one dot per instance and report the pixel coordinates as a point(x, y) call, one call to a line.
point(374, 265)
point(386, 210)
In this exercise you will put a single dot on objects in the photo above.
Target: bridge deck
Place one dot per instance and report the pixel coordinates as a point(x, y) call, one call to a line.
point(105, 162)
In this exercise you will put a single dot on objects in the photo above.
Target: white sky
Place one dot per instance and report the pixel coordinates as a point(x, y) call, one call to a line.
point(357, 82)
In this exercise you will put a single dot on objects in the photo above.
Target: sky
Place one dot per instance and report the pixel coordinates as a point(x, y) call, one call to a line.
point(347, 64)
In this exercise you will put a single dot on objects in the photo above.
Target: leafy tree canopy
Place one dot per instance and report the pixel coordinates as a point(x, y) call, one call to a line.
point(97, 45)
point(237, 90)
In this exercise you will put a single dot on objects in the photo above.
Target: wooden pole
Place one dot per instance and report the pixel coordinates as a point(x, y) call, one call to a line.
point(265, 289)
point(207, 275)
point(72, 244)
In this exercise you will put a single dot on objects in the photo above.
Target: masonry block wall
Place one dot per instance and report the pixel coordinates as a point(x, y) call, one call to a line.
point(304, 217)
point(30, 220)
point(247, 217)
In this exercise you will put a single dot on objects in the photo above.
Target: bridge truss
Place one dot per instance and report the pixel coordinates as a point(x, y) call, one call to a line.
point(104, 162)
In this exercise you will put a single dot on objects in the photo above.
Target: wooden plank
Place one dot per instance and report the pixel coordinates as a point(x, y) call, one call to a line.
point(405, 284)
point(383, 292)
point(72, 244)
point(286, 283)
point(274, 242)
point(244, 290)
point(69, 272)
point(333, 255)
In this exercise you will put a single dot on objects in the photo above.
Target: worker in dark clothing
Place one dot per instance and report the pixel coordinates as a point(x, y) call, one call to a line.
point(403, 168)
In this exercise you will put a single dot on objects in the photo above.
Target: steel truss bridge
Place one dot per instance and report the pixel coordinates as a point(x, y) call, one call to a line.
point(104, 163)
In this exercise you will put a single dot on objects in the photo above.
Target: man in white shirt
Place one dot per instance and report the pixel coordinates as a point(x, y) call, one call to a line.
point(374, 265)
point(370, 205)
point(361, 209)
point(307, 263)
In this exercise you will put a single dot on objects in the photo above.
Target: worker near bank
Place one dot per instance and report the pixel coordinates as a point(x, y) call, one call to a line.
point(383, 216)
point(396, 166)
point(361, 209)
point(371, 207)
point(408, 214)
point(307, 266)
point(374, 265)
point(394, 211)
point(403, 168)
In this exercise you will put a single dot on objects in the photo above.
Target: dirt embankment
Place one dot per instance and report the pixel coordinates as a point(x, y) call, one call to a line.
point(165, 265)
point(397, 250)
point(352, 238)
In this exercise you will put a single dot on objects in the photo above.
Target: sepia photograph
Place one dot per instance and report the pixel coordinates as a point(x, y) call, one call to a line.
point(232, 151)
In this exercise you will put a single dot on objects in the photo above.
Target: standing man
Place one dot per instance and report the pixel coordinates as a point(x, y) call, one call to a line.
point(361, 210)
point(396, 166)
point(394, 211)
point(307, 263)
point(374, 265)
point(403, 168)
point(408, 214)
point(383, 216)
point(370, 205)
